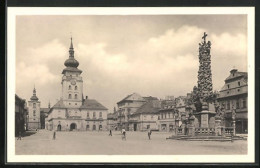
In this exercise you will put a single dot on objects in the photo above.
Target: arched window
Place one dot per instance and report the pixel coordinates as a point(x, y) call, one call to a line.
point(69, 87)
point(69, 96)
point(76, 96)
point(76, 87)
point(94, 114)
point(34, 105)
point(34, 113)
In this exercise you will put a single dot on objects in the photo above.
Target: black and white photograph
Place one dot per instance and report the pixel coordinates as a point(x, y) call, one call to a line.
point(144, 85)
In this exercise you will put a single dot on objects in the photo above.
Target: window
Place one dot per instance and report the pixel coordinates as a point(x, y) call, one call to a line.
point(88, 114)
point(34, 105)
point(94, 114)
point(152, 117)
point(228, 105)
point(228, 86)
point(76, 87)
point(238, 83)
point(34, 113)
point(162, 115)
point(76, 96)
point(100, 114)
point(69, 87)
point(165, 115)
point(69, 96)
point(244, 103)
point(237, 104)
point(169, 115)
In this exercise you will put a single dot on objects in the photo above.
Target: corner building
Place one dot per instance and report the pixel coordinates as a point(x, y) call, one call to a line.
point(72, 111)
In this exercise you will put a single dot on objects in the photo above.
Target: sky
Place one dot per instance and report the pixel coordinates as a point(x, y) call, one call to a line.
point(153, 55)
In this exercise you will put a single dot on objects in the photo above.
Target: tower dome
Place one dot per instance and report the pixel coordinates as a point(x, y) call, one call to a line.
point(34, 97)
point(71, 62)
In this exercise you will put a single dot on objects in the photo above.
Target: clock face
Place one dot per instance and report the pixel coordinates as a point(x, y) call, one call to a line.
point(73, 82)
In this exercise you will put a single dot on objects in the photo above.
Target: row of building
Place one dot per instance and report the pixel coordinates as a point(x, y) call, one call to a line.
point(137, 113)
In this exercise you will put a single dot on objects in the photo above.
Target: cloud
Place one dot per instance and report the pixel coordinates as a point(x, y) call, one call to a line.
point(161, 65)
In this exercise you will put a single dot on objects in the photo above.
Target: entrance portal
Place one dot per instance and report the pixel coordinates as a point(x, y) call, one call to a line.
point(59, 128)
point(73, 126)
point(135, 127)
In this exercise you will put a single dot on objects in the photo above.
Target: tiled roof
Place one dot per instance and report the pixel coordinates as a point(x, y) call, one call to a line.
point(92, 104)
point(150, 98)
point(148, 107)
point(45, 110)
point(59, 104)
point(129, 96)
point(237, 74)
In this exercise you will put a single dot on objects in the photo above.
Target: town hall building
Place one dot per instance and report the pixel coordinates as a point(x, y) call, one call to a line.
point(72, 111)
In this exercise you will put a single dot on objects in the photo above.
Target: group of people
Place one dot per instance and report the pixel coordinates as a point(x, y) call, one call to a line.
point(124, 133)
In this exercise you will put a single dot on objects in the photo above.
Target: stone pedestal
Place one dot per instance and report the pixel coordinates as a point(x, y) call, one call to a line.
point(205, 119)
point(218, 127)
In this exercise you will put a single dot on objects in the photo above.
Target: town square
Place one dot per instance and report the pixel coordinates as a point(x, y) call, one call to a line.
point(132, 85)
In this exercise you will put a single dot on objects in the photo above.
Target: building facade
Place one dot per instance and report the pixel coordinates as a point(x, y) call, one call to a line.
point(126, 107)
point(233, 95)
point(72, 111)
point(20, 115)
point(34, 106)
point(145, 117)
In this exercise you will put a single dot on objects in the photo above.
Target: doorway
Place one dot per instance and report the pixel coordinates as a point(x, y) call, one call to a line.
point(135, 127)
point(59, 128)
point(73, 126)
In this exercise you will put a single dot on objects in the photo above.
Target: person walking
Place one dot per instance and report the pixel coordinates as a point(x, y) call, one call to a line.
point(19, 136)
point(149, 134)
point(110, 132)
point(123, 134)
point(54, 135)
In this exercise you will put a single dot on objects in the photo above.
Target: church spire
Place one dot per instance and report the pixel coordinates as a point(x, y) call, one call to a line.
point(71, 51)
point(34, 97)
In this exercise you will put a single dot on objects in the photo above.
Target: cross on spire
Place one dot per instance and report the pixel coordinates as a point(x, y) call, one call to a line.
point(204, 36)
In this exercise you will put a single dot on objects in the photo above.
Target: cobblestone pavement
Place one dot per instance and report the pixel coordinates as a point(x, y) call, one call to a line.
point(137, 143)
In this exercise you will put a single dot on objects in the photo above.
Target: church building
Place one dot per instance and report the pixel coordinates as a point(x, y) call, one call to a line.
point(34, 112)
point(72, 111)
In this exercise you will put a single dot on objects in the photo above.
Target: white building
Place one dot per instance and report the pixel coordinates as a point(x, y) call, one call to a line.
point(34, 106)
point(72, 111)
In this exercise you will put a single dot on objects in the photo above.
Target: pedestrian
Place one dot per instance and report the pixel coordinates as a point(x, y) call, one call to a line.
point(54, 135)
point(123, 134)
point(149, 134)
point(110, 132)
point(20, 136)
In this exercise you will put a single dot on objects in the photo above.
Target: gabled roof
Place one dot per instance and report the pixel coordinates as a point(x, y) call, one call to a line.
point(45, 110)
point(132, 97)
point(92, 104)
point(149, 107)
point(59, 104)
point(150, 98)
point(236, 75)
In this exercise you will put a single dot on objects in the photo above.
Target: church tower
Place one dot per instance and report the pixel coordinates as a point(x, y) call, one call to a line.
point(34, 112)
point(72, 83)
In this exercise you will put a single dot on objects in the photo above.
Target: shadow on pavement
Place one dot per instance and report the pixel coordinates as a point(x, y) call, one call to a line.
point(28, 133)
